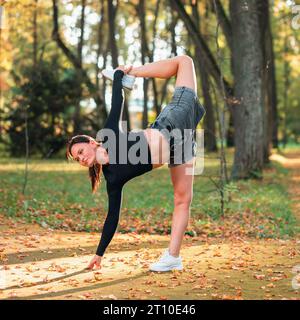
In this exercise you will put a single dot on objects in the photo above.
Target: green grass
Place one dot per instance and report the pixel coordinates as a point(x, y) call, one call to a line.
point(291, 145)
point(59, 194)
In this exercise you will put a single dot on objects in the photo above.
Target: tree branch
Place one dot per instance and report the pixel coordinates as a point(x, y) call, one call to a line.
point(224, 22)
point(212, 67)
point(56, 36)
point(72, 57)
point(82, 25)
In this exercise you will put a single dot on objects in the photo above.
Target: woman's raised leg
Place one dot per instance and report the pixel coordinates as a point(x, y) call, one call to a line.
point(180, 66)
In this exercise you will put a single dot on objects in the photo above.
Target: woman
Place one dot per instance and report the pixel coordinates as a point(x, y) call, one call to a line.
point(159, 146)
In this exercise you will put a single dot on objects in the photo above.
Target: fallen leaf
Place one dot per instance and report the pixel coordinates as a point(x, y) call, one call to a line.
point(97, 276)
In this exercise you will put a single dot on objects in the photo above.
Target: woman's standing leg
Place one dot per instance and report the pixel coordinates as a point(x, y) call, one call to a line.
point(183, 195)
point(183, 68)
point(181, 178)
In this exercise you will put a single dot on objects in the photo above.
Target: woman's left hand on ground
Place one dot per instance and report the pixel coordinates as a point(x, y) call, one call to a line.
point(96, 261)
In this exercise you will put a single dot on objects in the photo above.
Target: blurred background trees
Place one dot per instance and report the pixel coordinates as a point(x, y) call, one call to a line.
point(246, 54)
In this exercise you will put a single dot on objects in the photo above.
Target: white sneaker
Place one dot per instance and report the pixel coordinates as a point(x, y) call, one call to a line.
point(167, 263)
point(127, 80)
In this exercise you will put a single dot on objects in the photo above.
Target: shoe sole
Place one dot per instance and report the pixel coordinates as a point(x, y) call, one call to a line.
point(166, 269)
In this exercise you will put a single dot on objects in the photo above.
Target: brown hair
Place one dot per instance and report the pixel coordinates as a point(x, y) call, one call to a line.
point(96, 169)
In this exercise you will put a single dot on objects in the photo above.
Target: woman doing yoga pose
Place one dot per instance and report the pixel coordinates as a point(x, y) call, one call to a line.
point(157, 145)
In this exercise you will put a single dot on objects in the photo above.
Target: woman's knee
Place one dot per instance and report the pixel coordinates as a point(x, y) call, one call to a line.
point(186, 75)
point(183, 199)
point(186, 59)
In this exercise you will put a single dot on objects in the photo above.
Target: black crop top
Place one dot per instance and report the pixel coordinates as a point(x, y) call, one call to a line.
point(120, 169)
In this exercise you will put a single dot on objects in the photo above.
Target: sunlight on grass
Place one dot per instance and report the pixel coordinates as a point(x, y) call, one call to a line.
point(58, 191)
point(39, 165)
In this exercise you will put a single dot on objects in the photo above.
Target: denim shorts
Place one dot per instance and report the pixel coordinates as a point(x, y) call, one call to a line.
point(178, 122)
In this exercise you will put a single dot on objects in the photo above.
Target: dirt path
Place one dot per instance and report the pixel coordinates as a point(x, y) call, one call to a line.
point(41, 263)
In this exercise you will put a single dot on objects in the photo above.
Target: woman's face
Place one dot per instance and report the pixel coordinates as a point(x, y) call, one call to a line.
point(84, 153)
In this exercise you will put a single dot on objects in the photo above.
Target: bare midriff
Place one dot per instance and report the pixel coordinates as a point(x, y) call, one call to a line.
point(159, 147)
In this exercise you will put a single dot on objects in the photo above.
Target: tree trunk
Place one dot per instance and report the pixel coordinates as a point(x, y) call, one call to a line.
point(225, 24)
point(151, 58)
point(112, 12)
point(172, 31)
point(248, 110)
point(271, 82)
point(230, 130)
point(286, 85)
point(141, 12)
point(209, 119)
point(272, 89)
point(171, 27)
point(77, 113)
point(35, 33)
point(82, 25)
point(100, 37)
point(100, 52)
point(269, 85)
